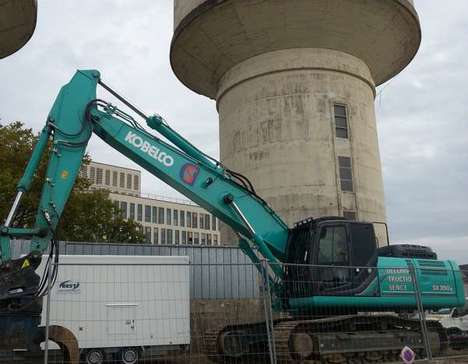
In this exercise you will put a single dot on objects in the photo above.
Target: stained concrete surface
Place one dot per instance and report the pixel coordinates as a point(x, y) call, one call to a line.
point(276, 127)
point(17, 24)
point(212, 36)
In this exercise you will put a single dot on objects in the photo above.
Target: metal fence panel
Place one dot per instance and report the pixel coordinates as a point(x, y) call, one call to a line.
point(115, 307)
point(346, 314)
point(207, 262)
point(106, 307)
point(453, 320)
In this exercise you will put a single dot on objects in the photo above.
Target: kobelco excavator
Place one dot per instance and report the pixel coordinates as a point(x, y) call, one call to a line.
point(324, 272)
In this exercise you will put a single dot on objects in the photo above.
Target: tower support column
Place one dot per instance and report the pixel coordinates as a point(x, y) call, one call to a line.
point(279, 128)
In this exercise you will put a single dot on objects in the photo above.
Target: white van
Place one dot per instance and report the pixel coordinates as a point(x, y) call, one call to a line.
point(453, 319)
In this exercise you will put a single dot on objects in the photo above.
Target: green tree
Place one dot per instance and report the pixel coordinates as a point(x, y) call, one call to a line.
point(88, 215)
point(16, 144)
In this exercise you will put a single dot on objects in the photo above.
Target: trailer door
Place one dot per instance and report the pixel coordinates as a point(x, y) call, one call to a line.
point(121, 318)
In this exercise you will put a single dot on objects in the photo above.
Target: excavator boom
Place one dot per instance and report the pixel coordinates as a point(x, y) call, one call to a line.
point(76, 114)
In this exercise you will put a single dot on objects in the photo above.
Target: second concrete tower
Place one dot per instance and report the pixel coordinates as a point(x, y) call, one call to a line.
point(294, 82)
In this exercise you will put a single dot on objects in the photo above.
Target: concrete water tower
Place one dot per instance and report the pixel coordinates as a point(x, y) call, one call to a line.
point(294, 83)
point(17, 24)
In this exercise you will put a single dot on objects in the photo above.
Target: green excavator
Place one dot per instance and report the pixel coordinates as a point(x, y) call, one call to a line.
point(329, 274)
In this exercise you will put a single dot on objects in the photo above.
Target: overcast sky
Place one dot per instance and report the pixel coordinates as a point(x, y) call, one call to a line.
point(422, 113)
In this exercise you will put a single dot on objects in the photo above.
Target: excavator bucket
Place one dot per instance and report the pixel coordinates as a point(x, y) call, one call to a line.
point(18, 277)
point(20, 308)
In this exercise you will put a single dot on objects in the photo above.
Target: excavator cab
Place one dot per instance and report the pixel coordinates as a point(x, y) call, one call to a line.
point(330, 256)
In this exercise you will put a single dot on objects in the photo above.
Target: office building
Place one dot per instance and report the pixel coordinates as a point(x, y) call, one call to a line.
point(165, 220)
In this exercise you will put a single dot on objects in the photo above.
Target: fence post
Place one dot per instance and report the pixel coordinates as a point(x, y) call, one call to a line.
point(47, 321)
point(422, 314)
point(268, 311)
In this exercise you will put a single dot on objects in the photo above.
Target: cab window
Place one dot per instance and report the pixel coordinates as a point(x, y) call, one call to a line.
point(333, 247)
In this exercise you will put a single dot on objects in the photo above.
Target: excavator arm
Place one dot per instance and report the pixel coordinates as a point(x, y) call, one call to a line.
point(75, 115)
point(69, 135)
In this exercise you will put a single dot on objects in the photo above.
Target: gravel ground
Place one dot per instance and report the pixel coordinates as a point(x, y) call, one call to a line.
point(54, 359)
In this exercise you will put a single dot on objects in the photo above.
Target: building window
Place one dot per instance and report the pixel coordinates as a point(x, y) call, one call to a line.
point(208, 239)
point(189, 219)
point(155, 235)
point(140, 212)
point(196, 238)
point(99, 176)
point(213, 222)
point(341, 121)
point(123, 209)
point(207, 221)
point(215, 239)
point(161, 215)
point(175, 217)
point(84, 171)
point(203, 239)
point(132, 211)
point(136, 182)
point(122, 180)
point(148, 234)
point(350, 215)
point(176, 237)
point(169, 236)
point(189, 237)
point(129, 181)
point(182, 218)
point(114, 178)
point(194, 220)
point(163, 236)
point(92, 174)
point(184, 237)
point(202, 220)
point(147, 213)
point(155, 215)
point(107, 177)
point(168, 217)
point(117, 207)
point(346, 175)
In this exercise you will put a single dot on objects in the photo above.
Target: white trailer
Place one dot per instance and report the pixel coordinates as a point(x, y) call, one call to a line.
point(122, 307)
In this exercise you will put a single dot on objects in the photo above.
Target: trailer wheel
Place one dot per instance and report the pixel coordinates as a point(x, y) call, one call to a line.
point(129, 355)
point(94, 356)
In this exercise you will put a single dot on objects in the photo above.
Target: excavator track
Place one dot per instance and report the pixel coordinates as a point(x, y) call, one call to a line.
point(283, 333)
point(335, 340)
point(245, 343)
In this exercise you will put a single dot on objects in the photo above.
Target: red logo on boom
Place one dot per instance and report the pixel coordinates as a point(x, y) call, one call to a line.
point(189, 173)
